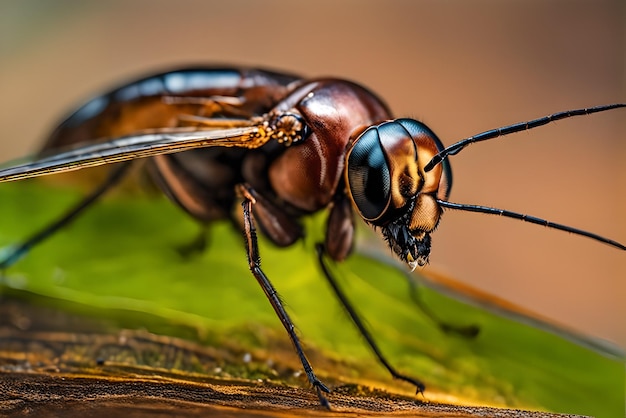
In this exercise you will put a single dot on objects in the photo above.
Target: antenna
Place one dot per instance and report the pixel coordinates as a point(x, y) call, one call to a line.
point(521, 126)
point(528, 218)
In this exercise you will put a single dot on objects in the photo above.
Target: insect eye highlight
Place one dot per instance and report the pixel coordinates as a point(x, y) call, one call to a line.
point(368, 175)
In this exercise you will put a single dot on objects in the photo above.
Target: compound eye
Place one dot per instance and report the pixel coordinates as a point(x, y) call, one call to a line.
point(368, 175)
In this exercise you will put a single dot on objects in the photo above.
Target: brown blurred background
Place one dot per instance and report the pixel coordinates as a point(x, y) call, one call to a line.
point(462, 67)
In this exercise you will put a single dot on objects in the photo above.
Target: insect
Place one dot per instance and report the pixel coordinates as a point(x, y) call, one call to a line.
point(282, 146)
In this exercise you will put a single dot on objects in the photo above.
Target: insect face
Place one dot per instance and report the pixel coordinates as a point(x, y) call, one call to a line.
point(390, 189)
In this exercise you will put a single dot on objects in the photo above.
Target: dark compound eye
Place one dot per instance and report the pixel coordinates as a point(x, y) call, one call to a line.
point(368, 175)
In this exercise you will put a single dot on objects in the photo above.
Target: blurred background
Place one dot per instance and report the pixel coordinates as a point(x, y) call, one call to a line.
point(461, 67)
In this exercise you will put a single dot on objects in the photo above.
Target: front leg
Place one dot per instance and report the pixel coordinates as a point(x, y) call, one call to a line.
point(254, 261)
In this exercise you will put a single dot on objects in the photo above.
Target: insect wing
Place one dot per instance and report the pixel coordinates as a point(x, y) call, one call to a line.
point(140, 145)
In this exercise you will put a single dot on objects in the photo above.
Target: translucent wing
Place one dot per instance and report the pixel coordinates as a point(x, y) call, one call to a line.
point(139, 145)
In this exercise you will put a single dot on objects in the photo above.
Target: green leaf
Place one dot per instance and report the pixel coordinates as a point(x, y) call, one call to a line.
point(121, 256)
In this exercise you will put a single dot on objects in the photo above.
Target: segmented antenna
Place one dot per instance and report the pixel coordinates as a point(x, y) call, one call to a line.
point(521, 126)
point(530, 219)
point(506, 130)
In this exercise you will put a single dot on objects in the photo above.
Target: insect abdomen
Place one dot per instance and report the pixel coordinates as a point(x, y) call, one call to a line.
point(146, 103)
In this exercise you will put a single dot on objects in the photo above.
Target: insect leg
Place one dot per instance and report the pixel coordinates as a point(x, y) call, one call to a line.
point(14, 253)
point(467, 331)
point(360, 325)
point(254, 262)
point(196, 246)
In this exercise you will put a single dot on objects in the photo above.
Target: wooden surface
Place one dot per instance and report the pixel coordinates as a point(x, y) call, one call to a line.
point(65, 395)
point(53, 363)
